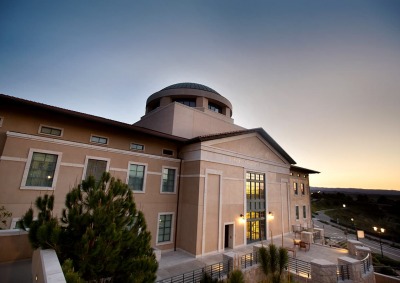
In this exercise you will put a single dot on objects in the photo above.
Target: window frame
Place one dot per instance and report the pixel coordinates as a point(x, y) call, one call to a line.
point(175, 179)
point(94, 158)
point(28, 166)
point(302, 189)
point(167, 149)
point(100, 137)
point(172, 228)
point(297, 213)
point(144, 176)
point(304, 212)
point(295, 189)
point(135, 149)
point(52, 128)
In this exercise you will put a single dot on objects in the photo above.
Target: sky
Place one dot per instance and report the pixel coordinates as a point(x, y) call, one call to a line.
point(321, 77)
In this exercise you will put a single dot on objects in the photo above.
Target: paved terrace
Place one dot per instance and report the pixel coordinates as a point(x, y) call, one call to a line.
point(176, 263)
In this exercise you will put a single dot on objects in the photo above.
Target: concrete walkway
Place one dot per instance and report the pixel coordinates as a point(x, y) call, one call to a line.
point(176, 263)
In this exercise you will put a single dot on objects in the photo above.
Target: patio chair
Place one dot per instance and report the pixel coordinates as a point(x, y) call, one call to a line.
point(304, 245)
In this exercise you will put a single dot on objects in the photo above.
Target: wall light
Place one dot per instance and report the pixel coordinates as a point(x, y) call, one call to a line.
point(270, 216)
point(242, 219)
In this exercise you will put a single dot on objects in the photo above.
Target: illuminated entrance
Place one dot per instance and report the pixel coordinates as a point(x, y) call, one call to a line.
point(255, 215)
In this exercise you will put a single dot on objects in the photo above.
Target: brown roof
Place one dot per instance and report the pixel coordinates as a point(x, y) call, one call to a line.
point(11, 99)
point(304, 170)
point(260, 131)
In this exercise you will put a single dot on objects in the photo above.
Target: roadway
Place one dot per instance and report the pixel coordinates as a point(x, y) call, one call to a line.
point(337, 233)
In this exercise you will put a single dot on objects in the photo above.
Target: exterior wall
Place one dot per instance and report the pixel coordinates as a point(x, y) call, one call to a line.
point(299, 199)
point(14, 245)
point(188, 122)
point(20, 135)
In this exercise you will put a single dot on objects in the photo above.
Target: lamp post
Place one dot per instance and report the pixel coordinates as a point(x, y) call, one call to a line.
point(270, 218)
point(380, 231)
point(355, 228)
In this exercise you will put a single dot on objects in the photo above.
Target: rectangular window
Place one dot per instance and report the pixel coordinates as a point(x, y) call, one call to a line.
point(214, 107)
point(136, 146)
point(100, 140)
point(168, 152)
point(95, 168)
point(50, 131)
point(164, 228)
point(302, 189)
point(168, 180)
point(297, 213)
point(136, 177)
point(295, 188)
point(304, 212)
point(42, 170)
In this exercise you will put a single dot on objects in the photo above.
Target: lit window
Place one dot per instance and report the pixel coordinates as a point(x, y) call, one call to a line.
point(297, 213)
point(304, 212)
point(214, 107)
point(168, 180)
point(42, 169)
point(50, 131)
point(97, 139)
point(168, 152)
point(295, 188)
point(136, 146)
point(136, 177)
point(95, 168)
point(303, 192)
point(164, 228)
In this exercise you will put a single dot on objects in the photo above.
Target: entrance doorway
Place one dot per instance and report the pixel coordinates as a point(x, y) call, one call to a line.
point(228, 239)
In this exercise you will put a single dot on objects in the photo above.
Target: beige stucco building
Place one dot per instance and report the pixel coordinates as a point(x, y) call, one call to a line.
point(203, 183)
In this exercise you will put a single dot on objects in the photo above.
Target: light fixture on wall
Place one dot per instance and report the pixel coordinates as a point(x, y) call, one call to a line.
point(242, 219)
point(270, 216)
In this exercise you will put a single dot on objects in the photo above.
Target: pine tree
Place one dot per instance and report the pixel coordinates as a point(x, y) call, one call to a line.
point(102, 235)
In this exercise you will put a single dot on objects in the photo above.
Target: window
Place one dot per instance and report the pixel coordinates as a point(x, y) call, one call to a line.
point(50, 131)
point(168, 180)
point(164, 228)
point(297, 213)
point(187, 102)
point(136, 177)
point(136, 146)
point(214, 107)
point(100, 140)
point(295, 188)
point(302, 189)
point(1, 121)
point(95, 168)
point(168, 152)
point(41, 169)
point(304, 212)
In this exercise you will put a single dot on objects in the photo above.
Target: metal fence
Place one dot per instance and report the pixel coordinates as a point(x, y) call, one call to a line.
point(299, 267)
point(343, 272)
point(366, 264)
point(249, 260)
point(216, 271)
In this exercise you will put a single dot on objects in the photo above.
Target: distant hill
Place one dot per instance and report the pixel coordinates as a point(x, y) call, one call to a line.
point(354, 191)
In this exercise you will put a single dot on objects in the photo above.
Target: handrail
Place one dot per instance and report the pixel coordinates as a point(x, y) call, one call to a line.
point(366, 264)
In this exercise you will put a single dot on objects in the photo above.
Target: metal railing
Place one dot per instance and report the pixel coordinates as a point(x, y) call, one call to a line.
point(366, 264)
point(216, 271)
point(299, 267)
point(249, 260)
point(343, 272)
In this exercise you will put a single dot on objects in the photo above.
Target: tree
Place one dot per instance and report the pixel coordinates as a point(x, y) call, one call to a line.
point(4, 214)
point(102, 236)
point(273, 262)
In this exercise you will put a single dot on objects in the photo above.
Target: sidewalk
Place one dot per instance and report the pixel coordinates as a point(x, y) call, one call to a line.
point(176, 263)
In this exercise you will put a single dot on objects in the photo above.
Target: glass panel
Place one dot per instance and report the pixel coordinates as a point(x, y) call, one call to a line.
point(96, 168)
point(168, 180)
point(136, 177)
point(42, 169)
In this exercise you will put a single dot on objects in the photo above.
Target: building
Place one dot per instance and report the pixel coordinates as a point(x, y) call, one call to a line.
point(203, 183)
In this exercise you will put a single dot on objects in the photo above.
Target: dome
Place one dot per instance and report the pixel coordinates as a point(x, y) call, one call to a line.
point(188, 93)
point(192, 86)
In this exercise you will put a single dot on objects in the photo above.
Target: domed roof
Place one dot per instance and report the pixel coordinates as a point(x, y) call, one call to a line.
point(192, 86)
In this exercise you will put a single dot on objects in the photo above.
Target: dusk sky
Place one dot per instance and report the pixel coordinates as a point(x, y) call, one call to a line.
point(321, 77)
